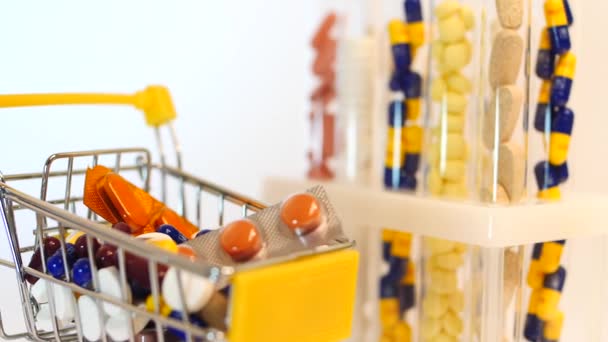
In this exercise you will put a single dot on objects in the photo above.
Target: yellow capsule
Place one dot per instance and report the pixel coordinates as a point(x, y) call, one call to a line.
point(566, 65)
point(535, 275)
point(163, 308)
point(550, 194)
point(413, 108)
point(73, 237)
point(389, 312)
point(401, 246)
point(413, 139)
point(402, 332)
point(387, 235)
point(548, 304)
point(555, 13)
point(398, 33)
point(534, 302)
point(545, 40)
point(550, 257)
point(553, 328)
point(166, 244)
point(558, 148)
point(410, 275)
point(416, 33)
point(545, 92)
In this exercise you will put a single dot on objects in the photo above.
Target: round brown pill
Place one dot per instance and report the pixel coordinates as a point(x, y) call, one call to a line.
point(301, 213)
point(241, 240)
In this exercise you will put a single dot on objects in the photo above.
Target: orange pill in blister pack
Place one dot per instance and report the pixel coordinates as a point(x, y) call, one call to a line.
point(117, 200)
point(241, 240)
point(302, 213)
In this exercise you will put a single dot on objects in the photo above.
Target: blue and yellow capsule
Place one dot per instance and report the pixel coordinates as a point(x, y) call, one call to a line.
point(559, 142)
point(543, 109)
point(400, 44)
point(552, 330)
point(557, 21)
point(387, 240)
point(407, 290)
point(547, 181)
point(545, 60)
point(550, 294)
point(534, 326)
point(562, 82)
point(550, 256)
point(415, 25)
point(411, 164)
point(389, 304)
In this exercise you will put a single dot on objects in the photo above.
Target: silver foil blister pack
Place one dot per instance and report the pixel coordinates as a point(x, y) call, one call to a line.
point(278, 239)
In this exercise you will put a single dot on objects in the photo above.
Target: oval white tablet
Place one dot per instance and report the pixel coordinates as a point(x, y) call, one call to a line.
point(43, 319)
point(92, 326)
point(38, 291)
point(109, 283)
point(118, 327)
point(197, 290)
point(64, 301)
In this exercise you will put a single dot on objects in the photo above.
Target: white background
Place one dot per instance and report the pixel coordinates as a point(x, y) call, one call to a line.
point(240, 79)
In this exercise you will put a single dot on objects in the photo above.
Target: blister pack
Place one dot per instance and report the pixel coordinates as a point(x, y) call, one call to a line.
point(303, 222)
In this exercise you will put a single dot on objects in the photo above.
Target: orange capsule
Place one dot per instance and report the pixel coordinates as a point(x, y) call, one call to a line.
point(241, 240)
point(301, 213)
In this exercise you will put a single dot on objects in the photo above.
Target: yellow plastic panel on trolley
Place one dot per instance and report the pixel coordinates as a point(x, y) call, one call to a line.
point(309, 299)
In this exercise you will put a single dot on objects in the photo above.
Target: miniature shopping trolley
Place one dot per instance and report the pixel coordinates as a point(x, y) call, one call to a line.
point(298, 298)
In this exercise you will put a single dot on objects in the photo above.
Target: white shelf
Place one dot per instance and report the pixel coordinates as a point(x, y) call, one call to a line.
point(488, 226)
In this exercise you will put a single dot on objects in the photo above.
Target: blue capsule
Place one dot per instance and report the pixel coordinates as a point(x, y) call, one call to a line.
point(407, 297)
point(561, 174)
point(533, 328)
point(402, 56)
point(563, 121)
point(555, 280)
point(175, 234)
point(412, 85)
point(545, 64)
point(408, 182)
point(413, 11)
point(411, 164)
point(392, 177)
point(180, 334)
point(55, 265)
point(568, 13)
point(545, 176)
point(560, 39)
point(537, 250)
point(81, 273)
point(389, 287)
point(560, 93)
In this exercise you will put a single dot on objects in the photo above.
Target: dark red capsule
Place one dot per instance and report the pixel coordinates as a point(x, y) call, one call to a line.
point(81, 246)
point(106, 256)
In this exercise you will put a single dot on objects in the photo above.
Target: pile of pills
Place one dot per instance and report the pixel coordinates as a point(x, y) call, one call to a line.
point(452, 52)
point(404, 138)
point(504, 163)
point(555, 65)
point(397, 288)
point(443, 300)
point(321, 119)
point(106, 318)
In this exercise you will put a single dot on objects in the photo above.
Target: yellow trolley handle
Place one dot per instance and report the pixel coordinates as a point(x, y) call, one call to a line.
point(154, 101)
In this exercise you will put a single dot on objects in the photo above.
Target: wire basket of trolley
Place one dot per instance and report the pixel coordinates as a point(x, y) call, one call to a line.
point(111, 246)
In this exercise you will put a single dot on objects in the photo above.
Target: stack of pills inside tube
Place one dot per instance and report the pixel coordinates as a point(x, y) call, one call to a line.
point(443, 295)
point(404, 141)
point(321, 119)
point(452, 52)
point(397, 288)
point(555, 66)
